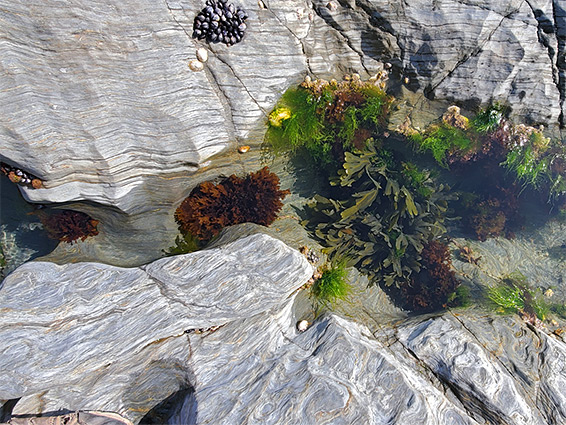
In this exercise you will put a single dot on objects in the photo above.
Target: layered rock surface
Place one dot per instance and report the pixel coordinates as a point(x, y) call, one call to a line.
point(88, 336)
point(452, 369)
point(97, 337)
point(97, 99)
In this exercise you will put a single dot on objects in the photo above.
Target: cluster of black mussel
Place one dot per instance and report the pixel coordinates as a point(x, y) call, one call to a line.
point(220, 22)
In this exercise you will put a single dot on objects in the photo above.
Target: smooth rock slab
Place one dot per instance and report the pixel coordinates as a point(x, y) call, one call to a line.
point(97, 337)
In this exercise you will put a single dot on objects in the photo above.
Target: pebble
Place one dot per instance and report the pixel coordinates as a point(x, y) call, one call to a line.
point(202, 55)
point(302, 325)
point(196, 65)
point(332, 6)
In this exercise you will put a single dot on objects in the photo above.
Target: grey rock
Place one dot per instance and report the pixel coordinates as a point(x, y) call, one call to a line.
point(438, 371)
point(97, 337)
point(335, 372)
point(502, 370)
point(106, 110)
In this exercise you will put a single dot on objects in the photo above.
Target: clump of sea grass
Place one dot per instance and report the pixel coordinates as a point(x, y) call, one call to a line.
point(327, 118)
point(513, 295)
point(332, 285)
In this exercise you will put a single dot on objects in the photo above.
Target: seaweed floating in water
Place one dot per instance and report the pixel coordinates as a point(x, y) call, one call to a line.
point(328, 118)
point(496, 213)
point(211, 207)
point(512, 294)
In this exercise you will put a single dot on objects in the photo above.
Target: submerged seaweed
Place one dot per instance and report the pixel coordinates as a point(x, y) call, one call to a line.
point(68, 226)
point(380, 222)
point(327, 118)
point(211, 207)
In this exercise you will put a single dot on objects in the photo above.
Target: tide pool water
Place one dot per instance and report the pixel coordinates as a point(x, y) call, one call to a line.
point(22, 237)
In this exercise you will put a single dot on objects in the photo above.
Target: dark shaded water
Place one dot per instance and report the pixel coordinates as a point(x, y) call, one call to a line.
point(22, 237)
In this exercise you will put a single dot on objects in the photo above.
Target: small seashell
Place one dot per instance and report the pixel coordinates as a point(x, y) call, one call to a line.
point(202, 55)
point(302, 325)
point(243, 149)
point(387, 65)
point(406, 80)
point(196, 65)
point(261, 4)
point(36, 183)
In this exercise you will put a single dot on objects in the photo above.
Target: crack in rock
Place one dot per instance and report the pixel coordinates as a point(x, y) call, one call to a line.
point(334, 25)
point(299, 39)
point(213, 81)
point(546, 26)
point(476, 51)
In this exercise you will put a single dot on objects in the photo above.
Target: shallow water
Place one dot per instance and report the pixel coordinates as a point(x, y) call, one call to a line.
point(22, 237)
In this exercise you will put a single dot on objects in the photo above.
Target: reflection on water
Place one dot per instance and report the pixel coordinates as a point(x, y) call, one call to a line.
point(22, 237)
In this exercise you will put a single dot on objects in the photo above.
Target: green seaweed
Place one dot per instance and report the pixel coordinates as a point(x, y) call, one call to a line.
point(488, 119)
point(333, 285)
point(326, 119)
point(349, 126)
point(303, 127)
point(513, 295)
point(526, 166)
point(184, 244)
point(441, 140)
point(380, 223)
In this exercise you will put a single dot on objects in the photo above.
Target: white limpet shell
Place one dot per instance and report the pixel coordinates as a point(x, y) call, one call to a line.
point(303, 325)
point(196, 65)
point(202, 54)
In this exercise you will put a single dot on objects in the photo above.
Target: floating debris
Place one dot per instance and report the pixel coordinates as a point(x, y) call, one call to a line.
point(220, 22)
point(243, 149)
point(20, 177)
